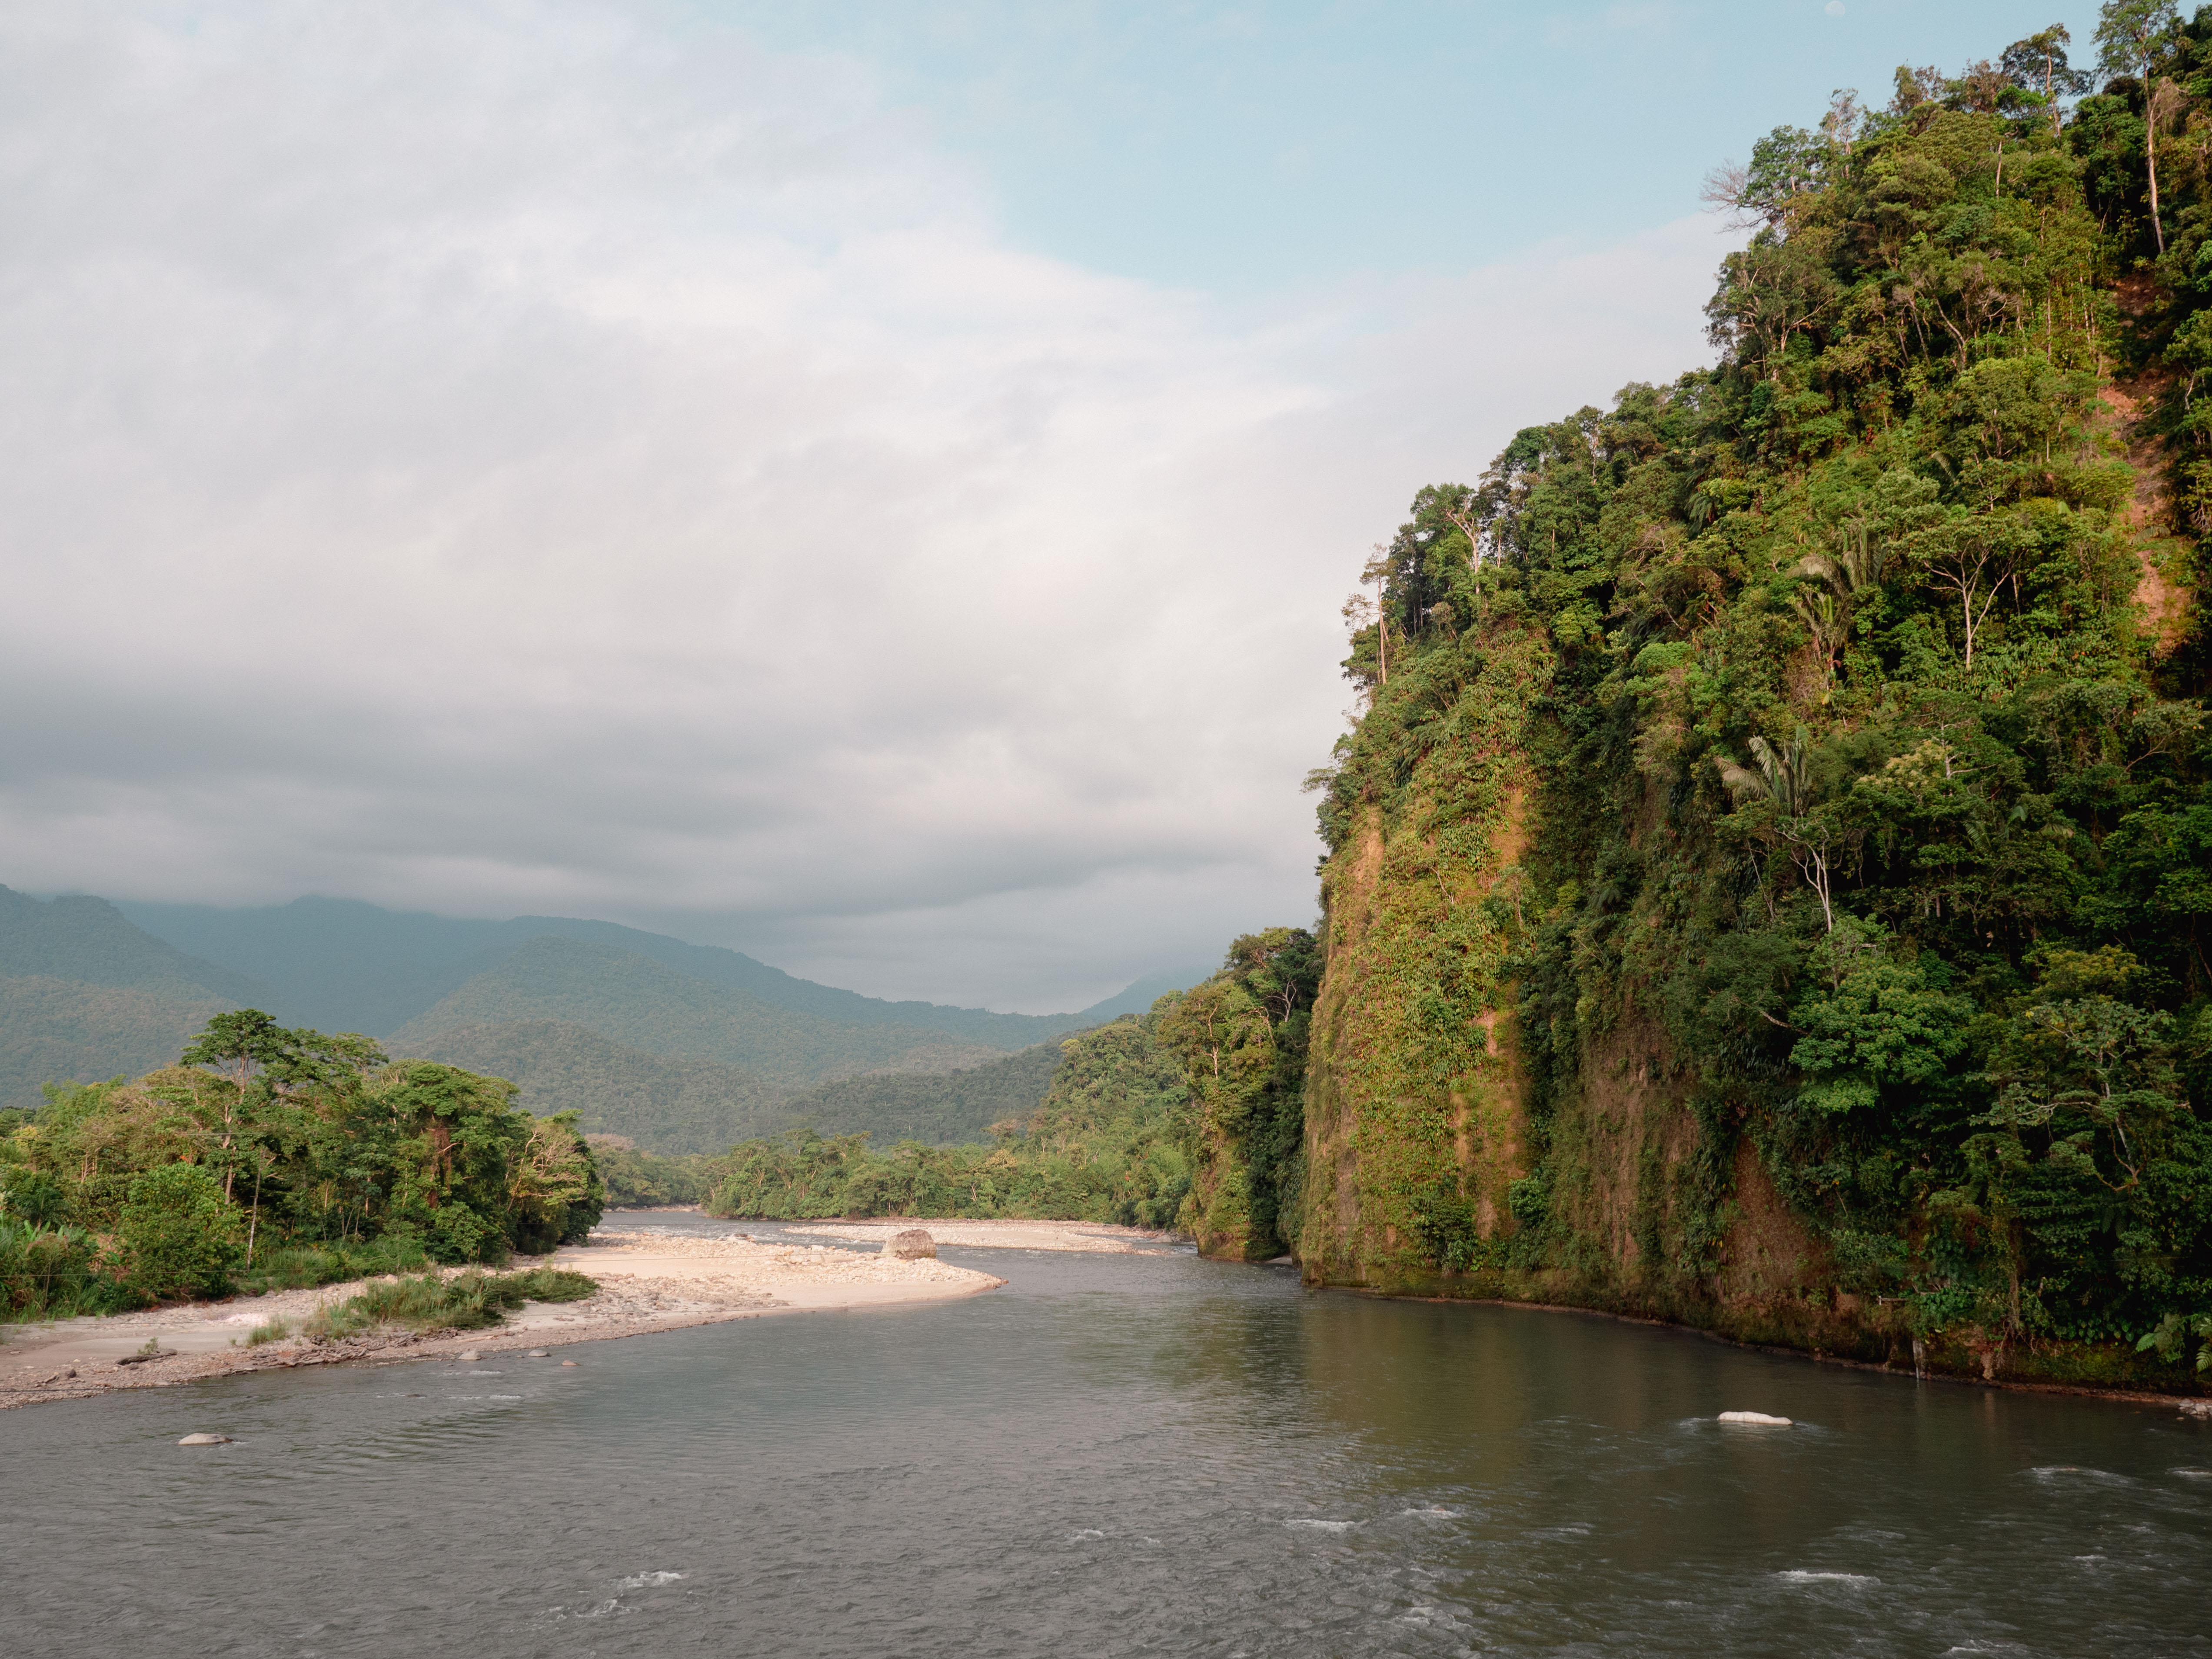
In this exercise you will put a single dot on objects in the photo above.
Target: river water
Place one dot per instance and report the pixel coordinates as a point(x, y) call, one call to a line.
point(1113, 1455)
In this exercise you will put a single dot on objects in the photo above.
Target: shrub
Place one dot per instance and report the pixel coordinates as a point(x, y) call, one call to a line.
point(459, 1234)
point(33, 1196)
point(180, 1237)
point(48, 1272)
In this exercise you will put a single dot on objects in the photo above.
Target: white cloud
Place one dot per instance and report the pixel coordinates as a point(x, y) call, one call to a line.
point(539, 457)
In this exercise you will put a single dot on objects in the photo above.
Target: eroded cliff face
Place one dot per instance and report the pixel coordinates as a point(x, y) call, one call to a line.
point(1437, 1165)
point(1415, 1118)
point(1450, 1179)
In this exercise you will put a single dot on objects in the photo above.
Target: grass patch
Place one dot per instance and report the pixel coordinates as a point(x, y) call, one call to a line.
point(466, 1302)
point(269, 1330)
point(303, 1267)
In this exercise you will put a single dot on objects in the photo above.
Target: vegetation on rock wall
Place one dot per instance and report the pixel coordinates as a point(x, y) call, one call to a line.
point(1808, 759)
point(1242, 1039)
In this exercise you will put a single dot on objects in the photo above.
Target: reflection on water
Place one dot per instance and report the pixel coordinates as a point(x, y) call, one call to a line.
point(1114, 1455)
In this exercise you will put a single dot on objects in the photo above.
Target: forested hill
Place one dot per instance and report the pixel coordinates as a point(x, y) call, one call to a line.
point(344, 965)
point(955, 1108)
point(1770, 881)
point(681, 1047)
point(666, 1104)
point(88, 941)
point(639, 1002)
point(84, 995)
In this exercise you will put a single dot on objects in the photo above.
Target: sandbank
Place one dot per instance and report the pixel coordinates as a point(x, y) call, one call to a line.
point(648, 1283)
point(1097, 1235)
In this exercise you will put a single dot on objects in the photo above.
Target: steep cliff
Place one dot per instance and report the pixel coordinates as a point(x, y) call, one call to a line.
point(1416, 1118)
point(1767, 882)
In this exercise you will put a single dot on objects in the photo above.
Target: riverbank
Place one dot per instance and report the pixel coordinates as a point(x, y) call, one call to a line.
point(1104, 1236)
point(649, 1282)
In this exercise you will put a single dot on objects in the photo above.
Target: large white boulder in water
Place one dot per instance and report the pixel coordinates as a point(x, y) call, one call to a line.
point(910, 1243)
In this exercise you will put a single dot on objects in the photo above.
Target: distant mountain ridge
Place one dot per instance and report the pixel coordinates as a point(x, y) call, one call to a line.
point(89, 941)
point(57, 1030)
point(682, 1047)
point(86, 995)
point(646, 1005)
point(341, 964)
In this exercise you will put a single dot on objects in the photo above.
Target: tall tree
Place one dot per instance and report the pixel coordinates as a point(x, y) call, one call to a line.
point(2038, 65)
point(2131, 35)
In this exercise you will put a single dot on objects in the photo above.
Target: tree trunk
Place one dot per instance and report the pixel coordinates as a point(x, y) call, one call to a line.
point(2150, 146)
point(1382, 633)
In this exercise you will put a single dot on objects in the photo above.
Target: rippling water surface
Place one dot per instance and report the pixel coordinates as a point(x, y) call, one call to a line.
point(1112, 1455)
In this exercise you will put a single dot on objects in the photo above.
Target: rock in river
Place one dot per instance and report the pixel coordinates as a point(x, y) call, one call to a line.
point(910, 1243)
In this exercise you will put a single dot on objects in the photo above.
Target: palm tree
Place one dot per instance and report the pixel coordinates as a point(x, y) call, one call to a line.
point(1786, 777)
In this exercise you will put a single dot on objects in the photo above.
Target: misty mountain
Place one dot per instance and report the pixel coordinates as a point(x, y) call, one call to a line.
point(681, 1047)
point(341, 965)
point(645, 1004)
point(85, 995)
point(58, 1030)
point(672, 1106)
point(88, 941)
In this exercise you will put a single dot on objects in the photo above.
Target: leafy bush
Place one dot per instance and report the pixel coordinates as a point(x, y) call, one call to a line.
point(33, 1196)
point(53, 1273)
point(458, 1234)
point(179, 1239)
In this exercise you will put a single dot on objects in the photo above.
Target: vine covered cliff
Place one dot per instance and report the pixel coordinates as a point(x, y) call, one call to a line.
point(1768, 882)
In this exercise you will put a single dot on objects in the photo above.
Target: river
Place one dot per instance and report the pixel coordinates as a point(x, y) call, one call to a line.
point(1113, 1455)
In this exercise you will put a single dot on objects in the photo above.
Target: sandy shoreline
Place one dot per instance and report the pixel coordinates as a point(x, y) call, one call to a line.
point(1095, 1236)
point(648, 1283)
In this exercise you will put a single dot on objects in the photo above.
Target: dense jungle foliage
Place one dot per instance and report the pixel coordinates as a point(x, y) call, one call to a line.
point(1111, 1141)
point(1188, 1117)
point(1242, 1039)
point(1857, 697)
point(938, 1108)
point(268, 1156)
point(636, 1179)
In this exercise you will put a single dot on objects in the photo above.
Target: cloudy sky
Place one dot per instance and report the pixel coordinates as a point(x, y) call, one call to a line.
point(872, 484)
